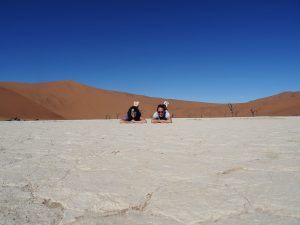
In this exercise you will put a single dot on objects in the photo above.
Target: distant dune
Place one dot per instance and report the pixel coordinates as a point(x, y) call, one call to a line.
point(72, 100)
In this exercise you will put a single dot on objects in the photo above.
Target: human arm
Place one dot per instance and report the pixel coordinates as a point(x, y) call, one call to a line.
point(169, 120)
point(153, 120)
point(124, 121)
point(142, 120)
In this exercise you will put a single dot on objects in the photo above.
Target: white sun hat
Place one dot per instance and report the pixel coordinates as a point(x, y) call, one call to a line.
point(166, 103)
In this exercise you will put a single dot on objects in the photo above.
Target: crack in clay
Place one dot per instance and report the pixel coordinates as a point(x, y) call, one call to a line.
point(273, 212)
point(47, 202)
point(237, 214)
point(219, 218)
point(242, 212)
point(169, 216)
point(67, 173)
point(143, 205)
point(52, 205)
point(138, 207)
point(241, 195)
point(35, 201)
point(230, 170)
point(29, 188)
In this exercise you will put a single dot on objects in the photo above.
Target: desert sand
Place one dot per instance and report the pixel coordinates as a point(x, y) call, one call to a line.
point(218, 171)
point(73, 100)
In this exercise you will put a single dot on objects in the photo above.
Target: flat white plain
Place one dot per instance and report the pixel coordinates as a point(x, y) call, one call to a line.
point(194, 171)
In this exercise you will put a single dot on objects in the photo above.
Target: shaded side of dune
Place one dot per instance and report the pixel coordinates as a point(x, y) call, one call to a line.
point(14, 105)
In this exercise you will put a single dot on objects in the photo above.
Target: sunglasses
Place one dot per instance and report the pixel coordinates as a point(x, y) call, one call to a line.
point(160, 111)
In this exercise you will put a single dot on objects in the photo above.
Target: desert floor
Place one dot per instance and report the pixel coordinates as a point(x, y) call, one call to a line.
point(222, 171)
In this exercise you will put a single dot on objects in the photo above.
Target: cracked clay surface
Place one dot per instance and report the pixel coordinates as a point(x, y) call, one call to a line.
point(235, 171)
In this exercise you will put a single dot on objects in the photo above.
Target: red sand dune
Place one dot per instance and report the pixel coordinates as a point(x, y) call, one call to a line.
point(72, 100)
point(14, 105)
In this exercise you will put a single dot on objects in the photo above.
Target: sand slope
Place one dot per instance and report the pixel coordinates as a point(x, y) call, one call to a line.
point(16, 105)
point(72, 100)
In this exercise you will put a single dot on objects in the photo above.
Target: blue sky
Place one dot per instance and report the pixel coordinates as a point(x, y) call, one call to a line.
point(213, 51)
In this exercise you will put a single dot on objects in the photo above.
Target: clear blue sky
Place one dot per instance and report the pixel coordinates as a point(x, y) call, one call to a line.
point(214, 51)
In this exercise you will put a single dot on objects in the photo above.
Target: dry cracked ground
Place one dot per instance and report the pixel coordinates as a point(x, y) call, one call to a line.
point(194, 171)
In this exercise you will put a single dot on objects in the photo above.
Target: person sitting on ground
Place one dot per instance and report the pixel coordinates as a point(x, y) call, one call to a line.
point(162, 114)
point(133, 115)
